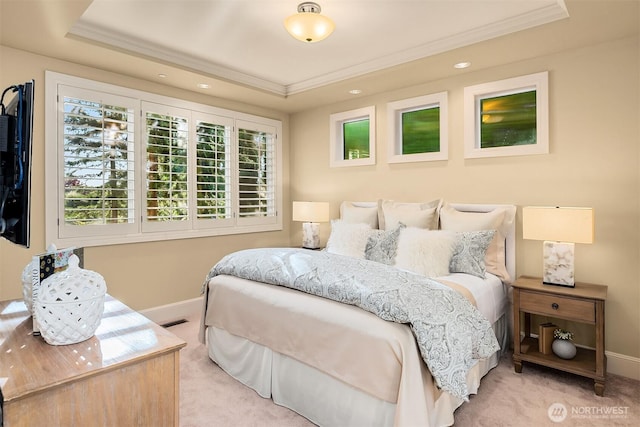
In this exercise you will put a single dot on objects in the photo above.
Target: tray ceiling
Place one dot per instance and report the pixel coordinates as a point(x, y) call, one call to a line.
point(245, 41)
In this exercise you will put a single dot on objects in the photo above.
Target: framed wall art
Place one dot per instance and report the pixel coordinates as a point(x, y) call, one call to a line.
point(507, 117)
point(418, 129)
point(352, 137)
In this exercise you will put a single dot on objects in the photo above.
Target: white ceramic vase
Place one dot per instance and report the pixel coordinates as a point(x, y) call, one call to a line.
point(564, 349)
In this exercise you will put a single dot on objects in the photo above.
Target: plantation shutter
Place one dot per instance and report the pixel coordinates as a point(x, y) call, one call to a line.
point(127, 166)
point(166, 137)
point(214, 163)
point(97, 179)
point(256, 178)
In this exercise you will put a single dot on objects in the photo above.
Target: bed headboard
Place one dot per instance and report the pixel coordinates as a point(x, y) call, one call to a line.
point(510, 235)
point(371, 213)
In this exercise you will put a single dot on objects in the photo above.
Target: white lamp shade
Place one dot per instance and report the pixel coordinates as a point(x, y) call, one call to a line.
point(560, 224)
point(311, 211)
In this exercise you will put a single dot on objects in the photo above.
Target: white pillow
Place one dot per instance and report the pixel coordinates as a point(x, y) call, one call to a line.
point(420, 215)
point(348, 239)
point(426, 252)
point(360, 212)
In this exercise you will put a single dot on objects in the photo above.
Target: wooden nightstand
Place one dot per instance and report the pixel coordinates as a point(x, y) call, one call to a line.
point(584, 304)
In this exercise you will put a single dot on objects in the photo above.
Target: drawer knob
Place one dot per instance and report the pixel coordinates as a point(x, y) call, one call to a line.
point(555, 306)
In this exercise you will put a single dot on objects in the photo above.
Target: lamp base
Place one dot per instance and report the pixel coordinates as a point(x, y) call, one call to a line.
point(311, 235)
point(558, 264)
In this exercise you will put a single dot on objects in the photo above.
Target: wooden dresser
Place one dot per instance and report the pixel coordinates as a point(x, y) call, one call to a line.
point(125, 375)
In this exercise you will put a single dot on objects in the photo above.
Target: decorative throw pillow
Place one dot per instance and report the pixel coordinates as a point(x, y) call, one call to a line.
point(348, 239)
point(383, 245)
point(420, 215)
point(498, 219)
point(469, 252)
point(360, 212)
point(426, 252)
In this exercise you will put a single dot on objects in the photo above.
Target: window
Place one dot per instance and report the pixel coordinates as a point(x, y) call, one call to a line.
point(508, 120)
point(356, 139)
point(507, 117)
point(418, 129)
point(97, 175)
point(213, 176)
point(128, 166)
point(353, 138)
point(255, 167)
point(166, 136)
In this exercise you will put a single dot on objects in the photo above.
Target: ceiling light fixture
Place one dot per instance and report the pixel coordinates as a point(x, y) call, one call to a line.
point(461, 65)
point(308, 25)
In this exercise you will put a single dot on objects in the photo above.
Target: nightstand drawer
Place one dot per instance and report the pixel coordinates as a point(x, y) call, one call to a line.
point(559, 306)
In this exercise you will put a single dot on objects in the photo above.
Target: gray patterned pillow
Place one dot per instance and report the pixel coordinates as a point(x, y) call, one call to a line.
point(469, 252)
point(383, 245)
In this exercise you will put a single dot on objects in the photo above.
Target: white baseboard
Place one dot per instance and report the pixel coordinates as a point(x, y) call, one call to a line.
point(623, 365)
point(172, 312)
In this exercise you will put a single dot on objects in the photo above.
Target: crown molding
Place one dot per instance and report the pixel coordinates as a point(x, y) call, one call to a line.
point(126, 43)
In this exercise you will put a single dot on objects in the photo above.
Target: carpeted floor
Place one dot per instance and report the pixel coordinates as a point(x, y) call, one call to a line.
point(209, 397)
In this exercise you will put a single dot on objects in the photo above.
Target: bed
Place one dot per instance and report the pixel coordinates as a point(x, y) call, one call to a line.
point(306, 328)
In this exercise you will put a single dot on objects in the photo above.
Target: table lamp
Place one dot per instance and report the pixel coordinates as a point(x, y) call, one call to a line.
point(311, 213)
point(560, 228)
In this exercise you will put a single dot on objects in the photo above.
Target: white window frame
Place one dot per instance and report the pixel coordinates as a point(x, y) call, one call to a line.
point(58, 234)
point(394, 116)
point(473, 95)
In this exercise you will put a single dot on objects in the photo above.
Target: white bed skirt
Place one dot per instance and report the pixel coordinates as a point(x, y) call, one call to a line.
point(319, 397)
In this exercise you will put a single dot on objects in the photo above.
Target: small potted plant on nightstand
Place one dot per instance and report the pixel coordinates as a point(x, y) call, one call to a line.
point(562, 345)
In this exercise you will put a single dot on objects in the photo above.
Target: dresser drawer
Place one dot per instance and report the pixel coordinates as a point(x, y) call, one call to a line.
point(558, 306)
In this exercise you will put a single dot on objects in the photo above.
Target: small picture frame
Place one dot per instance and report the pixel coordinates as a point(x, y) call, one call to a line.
point(352, 137)
point(507, 117)
point(418, 129)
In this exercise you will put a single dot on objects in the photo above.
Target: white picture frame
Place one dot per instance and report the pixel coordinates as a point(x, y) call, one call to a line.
point(477, 121)
point(395, 112)
point(340, 155)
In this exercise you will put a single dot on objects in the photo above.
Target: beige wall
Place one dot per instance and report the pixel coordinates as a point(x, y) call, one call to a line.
point(593, 161)
point(142, 275)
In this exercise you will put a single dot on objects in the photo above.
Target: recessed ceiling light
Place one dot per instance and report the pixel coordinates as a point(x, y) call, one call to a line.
point(464, 64)
point(162, 76)
point(355, 91)
point(203, 86)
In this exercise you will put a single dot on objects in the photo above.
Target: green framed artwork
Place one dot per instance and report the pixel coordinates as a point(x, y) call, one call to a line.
point(507, 117)
point(352, 138)
point(418, 129)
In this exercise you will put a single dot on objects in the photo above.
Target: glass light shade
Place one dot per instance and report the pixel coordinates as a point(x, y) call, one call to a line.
point(309, 27)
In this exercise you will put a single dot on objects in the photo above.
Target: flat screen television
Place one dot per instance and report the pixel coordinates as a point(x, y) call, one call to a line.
point(16, 130)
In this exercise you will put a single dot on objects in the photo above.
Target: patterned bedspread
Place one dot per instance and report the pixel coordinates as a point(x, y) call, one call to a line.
point(449, 330)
